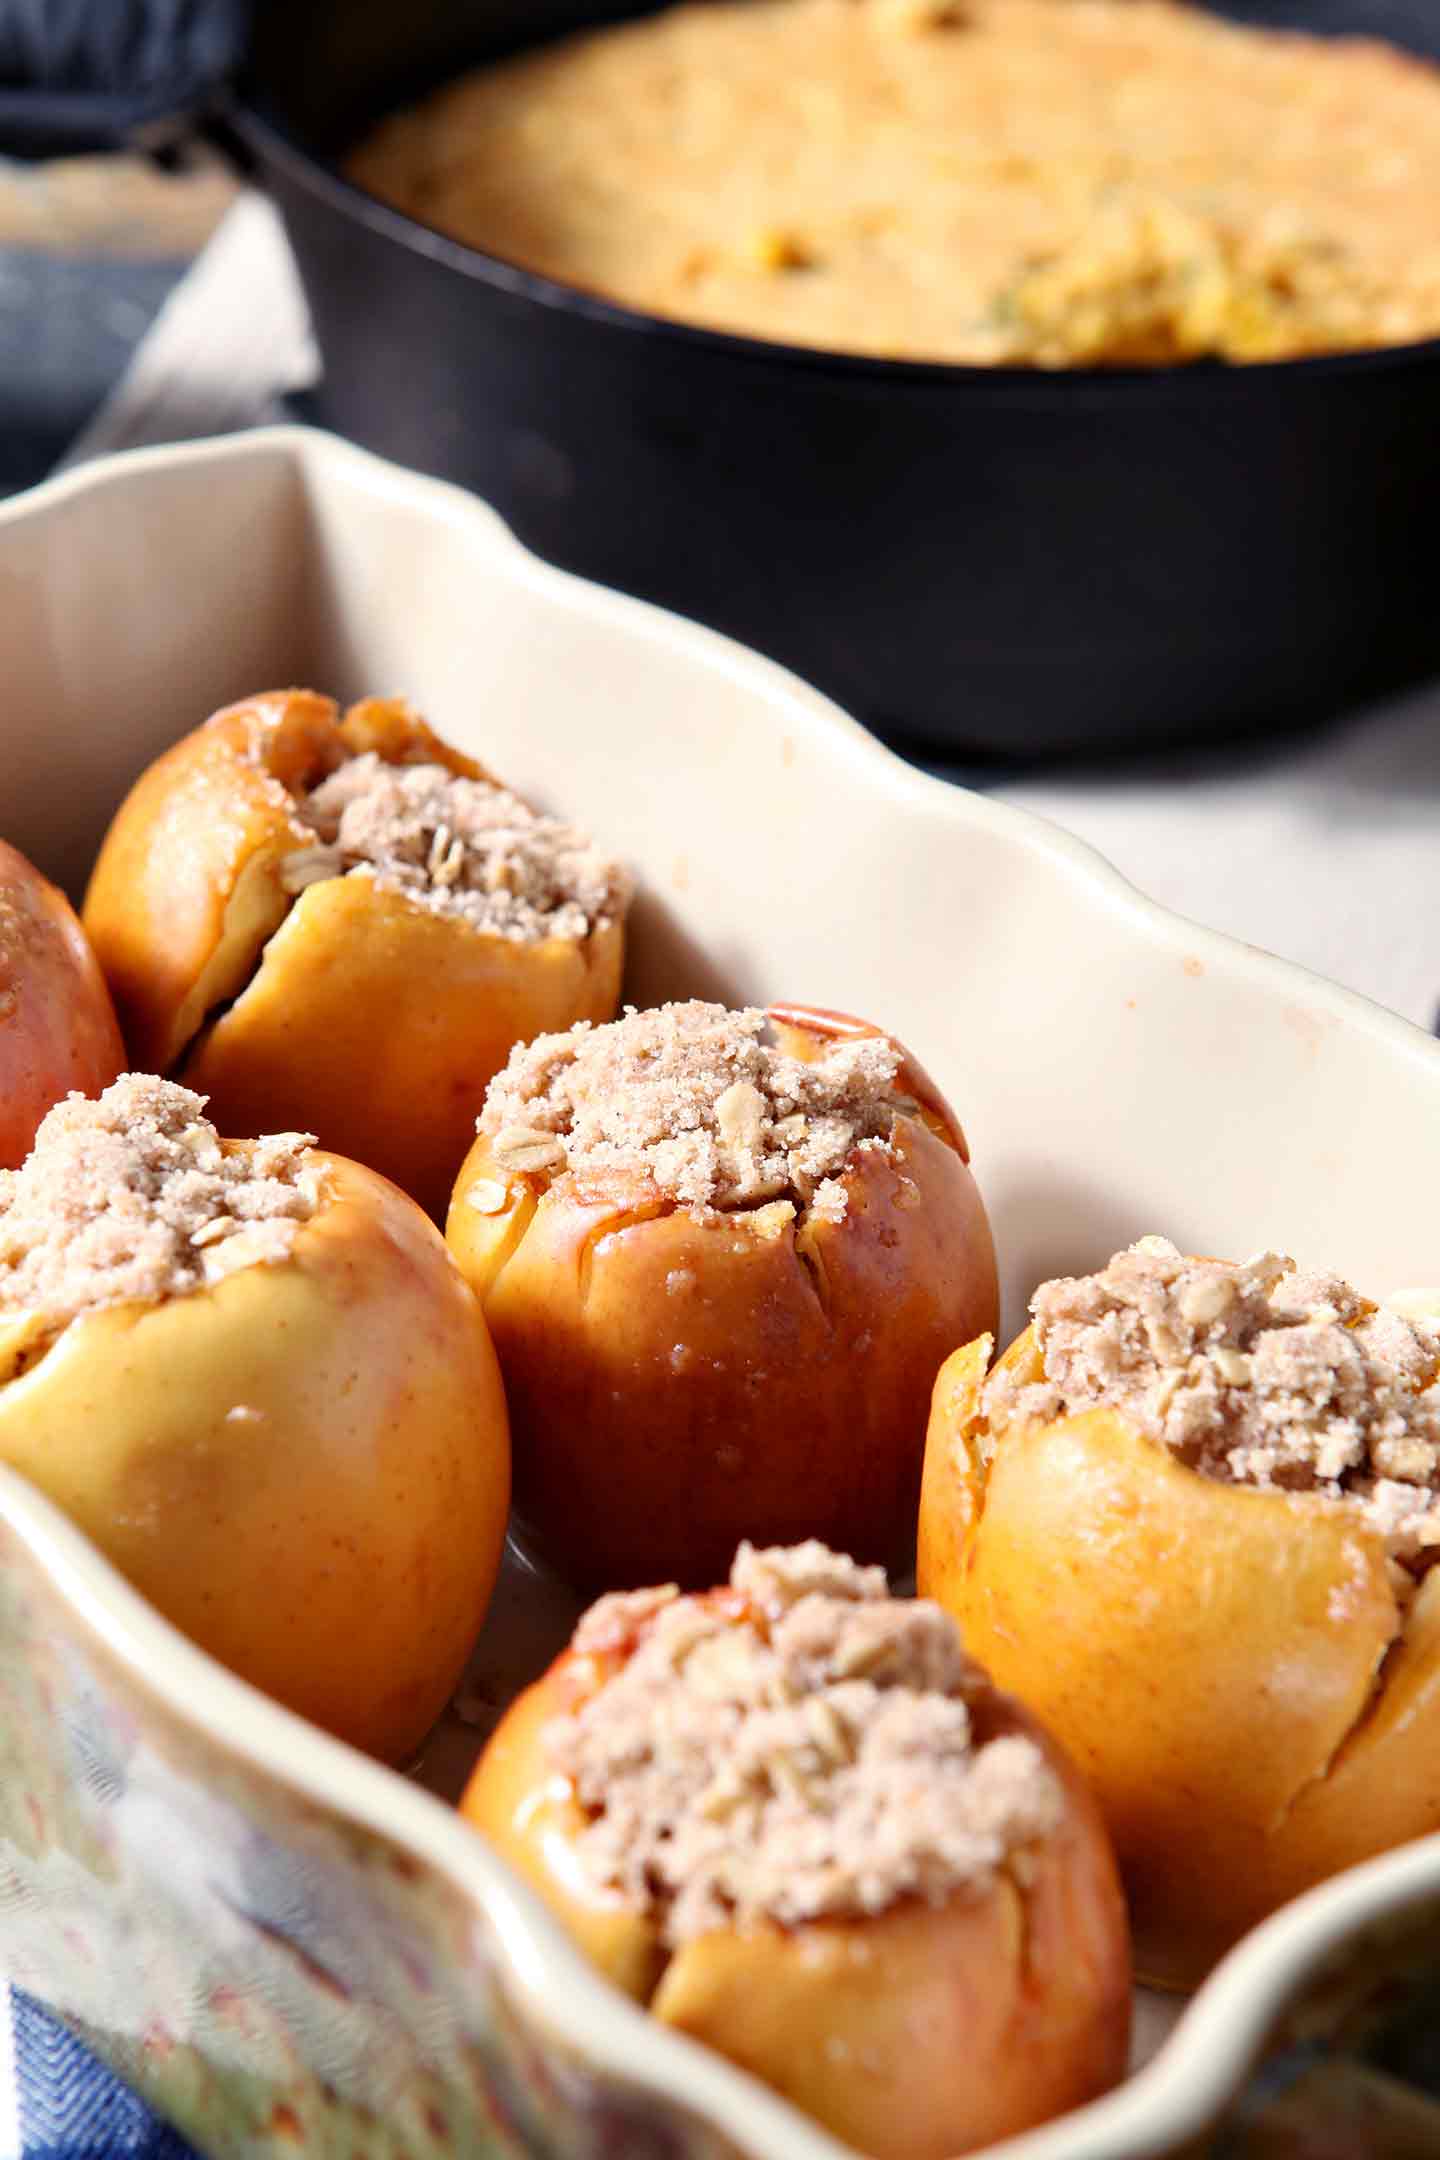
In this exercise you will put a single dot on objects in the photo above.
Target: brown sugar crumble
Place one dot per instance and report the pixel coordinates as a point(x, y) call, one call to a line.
point(1258, 1373)
point(459, 847)
point(135, 1196)
point(799, 1749)
point(694, 1098)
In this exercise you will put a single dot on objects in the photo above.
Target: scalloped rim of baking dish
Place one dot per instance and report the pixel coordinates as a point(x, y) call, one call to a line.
point(1199, 2067)
point(1217, 2038)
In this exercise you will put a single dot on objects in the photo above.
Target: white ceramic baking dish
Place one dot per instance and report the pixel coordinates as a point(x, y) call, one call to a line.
point(276, 1940)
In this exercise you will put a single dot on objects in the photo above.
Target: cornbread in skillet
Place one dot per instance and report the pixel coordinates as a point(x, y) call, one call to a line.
point(1190, 1519)
point(1029, 182)
point(796, 1819)
point(722, 1255)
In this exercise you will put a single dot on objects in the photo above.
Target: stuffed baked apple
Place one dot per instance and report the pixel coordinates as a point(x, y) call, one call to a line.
point(344, 924)
point(722, 1255)
point(797, 1821)
point(1189, 1520)
point(57, 1025)
point(251, 1373)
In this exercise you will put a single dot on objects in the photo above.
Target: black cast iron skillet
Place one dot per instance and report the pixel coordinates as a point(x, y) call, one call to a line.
point(984, 560)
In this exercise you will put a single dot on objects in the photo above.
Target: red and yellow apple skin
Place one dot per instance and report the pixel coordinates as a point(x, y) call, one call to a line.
point(1230, 1669)
point(677, 1382)
point(919, 2033)
point(58, 1032)
point(305, 1465)
point(345, 1010)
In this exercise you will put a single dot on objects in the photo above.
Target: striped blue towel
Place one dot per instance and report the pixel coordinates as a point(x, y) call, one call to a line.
point(59, 2102)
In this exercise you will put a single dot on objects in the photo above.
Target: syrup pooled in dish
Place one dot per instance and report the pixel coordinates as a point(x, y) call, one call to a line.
point(248, 1371)
point(344, 924)
point(722, 1254)
point(1046, 183)
point(1189, 1519)
point(794, 1817)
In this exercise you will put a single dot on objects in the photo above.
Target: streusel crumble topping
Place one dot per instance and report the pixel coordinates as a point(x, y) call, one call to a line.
point(1258, 1373)
point(695, 1098)
point(800, 1748)
point(459, 847)
point(135, 1196)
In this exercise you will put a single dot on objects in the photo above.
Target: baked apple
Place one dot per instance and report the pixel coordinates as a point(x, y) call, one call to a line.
point(344, 924)
point(797, 1821)
point(722, 1255)
point(57, 1025)
point(252, 1375)
point(1188, 1519)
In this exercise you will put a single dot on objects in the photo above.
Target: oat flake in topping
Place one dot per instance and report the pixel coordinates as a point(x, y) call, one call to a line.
point(135, 1196)
point(814, 1757)
point(695, 1098)
point(458, 847)
point(1258, 1373)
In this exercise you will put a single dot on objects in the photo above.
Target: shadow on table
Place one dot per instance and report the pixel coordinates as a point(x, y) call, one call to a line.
point(1388, 747)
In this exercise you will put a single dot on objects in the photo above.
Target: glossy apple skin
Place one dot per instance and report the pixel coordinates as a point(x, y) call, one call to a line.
point(274, 1005)
point(1230, 1669)
point(676, 1384)
point(58, 1031)
point(305, 1466)
point(916, 2034)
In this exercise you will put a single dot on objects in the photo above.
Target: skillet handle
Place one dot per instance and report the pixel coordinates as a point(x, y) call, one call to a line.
point(86, 75)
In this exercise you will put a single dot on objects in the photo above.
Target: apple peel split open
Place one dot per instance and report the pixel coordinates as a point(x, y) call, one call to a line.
point(1247, 1678)
point(704, 1339)
point(798, 1864)
point(247, 963)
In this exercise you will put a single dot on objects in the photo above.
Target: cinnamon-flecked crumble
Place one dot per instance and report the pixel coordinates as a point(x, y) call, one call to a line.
point(695, 1098)
point(135, 1196)
point(801, 1749)
point(459, 847)
point(1258, 1373)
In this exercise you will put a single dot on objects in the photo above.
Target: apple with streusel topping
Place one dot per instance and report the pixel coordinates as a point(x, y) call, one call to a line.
point(57, 1025)
point(722, 1255)
point(252, 1375)
point(798, 1822)
point(1189, 1519)
point(344, 925)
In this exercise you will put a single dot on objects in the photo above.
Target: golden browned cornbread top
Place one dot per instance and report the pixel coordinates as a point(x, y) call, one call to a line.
point(1259, 1373)
point(457, 846)
point(1050, 182)
point(801, 1748)
point(135, 1196)
point(693, 1097)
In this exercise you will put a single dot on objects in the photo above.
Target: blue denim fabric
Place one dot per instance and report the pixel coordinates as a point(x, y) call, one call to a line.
point(70, 2106)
